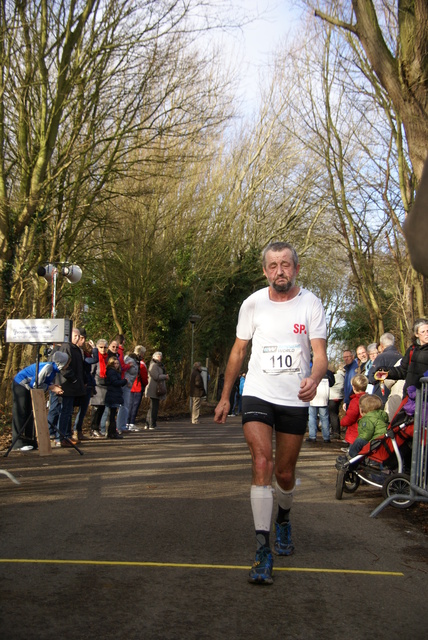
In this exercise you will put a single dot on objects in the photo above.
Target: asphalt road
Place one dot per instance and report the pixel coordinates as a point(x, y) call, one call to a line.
point(151, 537)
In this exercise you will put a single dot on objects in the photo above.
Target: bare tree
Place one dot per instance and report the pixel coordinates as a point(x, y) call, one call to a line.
point(394, 36)
point(83, 85)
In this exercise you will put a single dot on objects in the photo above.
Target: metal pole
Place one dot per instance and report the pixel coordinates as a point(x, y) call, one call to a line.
point(191, 355)
point(54, 277)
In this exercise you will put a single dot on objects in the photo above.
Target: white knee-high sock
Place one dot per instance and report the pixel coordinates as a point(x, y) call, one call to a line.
point(262, 505)
point(284, 498)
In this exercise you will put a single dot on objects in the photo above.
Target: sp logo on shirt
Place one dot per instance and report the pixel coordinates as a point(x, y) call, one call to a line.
point(299, 328)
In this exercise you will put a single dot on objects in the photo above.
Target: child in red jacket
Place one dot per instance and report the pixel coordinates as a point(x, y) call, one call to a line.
point(352, 415)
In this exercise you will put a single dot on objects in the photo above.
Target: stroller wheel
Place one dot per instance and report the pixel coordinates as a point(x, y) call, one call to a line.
point(340, 480)
point(351, 482)
point(398, 484)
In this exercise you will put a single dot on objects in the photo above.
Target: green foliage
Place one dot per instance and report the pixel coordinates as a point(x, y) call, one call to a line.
point(355, 328)
point(224, 295)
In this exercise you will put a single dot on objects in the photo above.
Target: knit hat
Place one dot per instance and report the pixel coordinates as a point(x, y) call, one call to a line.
point(60, 359)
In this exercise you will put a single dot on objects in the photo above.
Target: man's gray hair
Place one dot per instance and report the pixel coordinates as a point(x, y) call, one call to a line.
point(280, 246)
point(387, 340)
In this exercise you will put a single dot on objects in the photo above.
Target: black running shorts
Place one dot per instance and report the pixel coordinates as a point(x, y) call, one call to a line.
point(292, 420)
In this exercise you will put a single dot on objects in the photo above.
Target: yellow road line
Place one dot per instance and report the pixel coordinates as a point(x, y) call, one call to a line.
point(177, 565)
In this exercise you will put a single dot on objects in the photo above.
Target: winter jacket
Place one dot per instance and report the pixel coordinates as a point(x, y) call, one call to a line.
point(156, 374)
point(351, 417)
point(197, 389)
point(141, 380)
point(351, 370)
point(115, 382)
point(336, 391)
point(46, 375)
point(373, 424)
point(412, 366)
point(74, 383)
point(99, 398)
point(131, 370)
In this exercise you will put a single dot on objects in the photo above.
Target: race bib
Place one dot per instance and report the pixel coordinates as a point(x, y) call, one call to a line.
point(278, 359)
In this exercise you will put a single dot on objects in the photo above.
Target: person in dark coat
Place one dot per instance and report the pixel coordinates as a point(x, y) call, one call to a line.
point(73, 389)
point(415, 361)
point(88, 360)
point(197, 391)
point(114, 397)
point(157, 374)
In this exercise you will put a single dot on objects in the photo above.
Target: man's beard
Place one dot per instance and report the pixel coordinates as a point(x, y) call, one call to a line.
point(284, 286)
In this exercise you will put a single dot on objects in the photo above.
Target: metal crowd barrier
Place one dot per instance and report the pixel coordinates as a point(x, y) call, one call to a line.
point(419, 466)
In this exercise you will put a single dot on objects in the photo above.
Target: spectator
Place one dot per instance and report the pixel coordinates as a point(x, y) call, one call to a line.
point(156, 389)
point(23, 435)
point(197, 391)
point(372, 424)
point(335, 399)
point(88, 361)
point(319, 407)
point(114, 398)
point(129, 373)
point(363, 360)
point(352, 415)
point(351, 370)
point(241, 390)
point(73, 388)
point(139, 384)
point(415, 361)
point(99, 372)
point(122, 414)
point(220, 385)
point(234, 396)
point(113, 349)
point(387, 358)
point(373, 353)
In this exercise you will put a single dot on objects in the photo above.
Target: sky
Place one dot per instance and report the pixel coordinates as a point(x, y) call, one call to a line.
point(259, 39)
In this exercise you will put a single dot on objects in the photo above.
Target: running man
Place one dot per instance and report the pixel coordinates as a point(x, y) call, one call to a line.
point(284, 322)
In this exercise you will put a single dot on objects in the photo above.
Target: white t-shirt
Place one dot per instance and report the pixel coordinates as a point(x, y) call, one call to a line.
point(280, 334)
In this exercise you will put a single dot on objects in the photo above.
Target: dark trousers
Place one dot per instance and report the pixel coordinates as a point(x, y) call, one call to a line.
point(97, 414)
point(134, 405)
point(109, 420)
point(84, 404)
point(152, 413)
point(333, 410)
point(22, 412)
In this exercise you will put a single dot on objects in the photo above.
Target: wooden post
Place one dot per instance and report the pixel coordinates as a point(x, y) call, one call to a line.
point(41, 421)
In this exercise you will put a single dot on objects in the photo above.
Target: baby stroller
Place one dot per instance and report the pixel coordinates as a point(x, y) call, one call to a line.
point(383, 463)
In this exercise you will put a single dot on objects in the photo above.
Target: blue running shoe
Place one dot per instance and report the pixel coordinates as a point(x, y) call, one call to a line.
point(261, 571)
point(283, 545)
